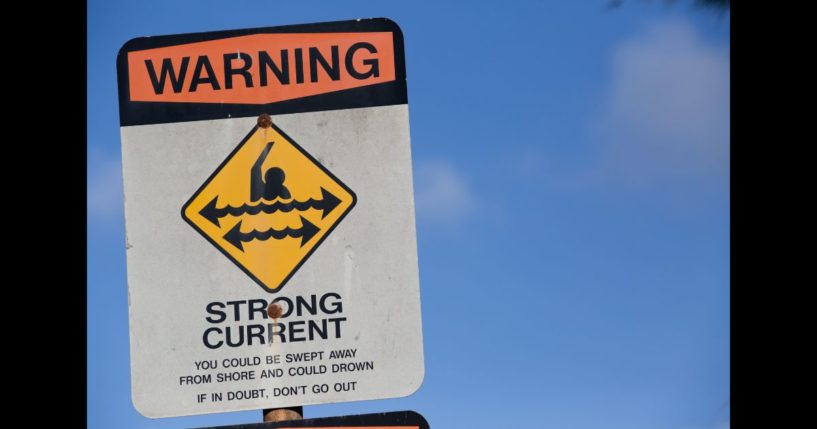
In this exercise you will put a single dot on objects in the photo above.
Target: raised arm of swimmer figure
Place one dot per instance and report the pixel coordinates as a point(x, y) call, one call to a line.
point(272, 185)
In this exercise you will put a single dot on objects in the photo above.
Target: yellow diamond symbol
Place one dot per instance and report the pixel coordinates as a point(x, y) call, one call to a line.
point(268, 206)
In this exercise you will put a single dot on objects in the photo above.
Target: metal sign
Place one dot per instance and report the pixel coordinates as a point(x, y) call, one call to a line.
point(393, 420)
point(269, 211)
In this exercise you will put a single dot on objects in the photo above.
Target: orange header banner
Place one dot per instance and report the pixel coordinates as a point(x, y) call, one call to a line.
point(261, 68)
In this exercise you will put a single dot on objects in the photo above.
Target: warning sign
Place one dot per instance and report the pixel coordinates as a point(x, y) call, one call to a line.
point(393, 420)
point(269, 213)
point(268, 206)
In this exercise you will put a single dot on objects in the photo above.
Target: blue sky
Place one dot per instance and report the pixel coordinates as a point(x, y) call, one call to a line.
point(572, 188)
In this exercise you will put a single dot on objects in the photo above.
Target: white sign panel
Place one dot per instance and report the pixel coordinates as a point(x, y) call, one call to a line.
point(271, 246)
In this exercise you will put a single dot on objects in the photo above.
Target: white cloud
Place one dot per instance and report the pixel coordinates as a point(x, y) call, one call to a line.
point(104, 187)
point(666, 119)
point(441, 192)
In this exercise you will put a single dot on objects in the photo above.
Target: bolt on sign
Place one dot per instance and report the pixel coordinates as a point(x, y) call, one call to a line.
point(269, 215)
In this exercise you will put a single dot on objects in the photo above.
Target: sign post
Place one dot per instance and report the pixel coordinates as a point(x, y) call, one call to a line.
point(271, 245)
point(283, 414)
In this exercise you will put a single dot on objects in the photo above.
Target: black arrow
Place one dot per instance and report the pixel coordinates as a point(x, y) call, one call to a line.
point(235, 237)
point(327, 203)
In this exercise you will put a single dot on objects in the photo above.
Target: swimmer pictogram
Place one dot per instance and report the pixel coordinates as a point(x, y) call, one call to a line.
point(269, 206)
